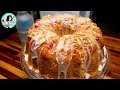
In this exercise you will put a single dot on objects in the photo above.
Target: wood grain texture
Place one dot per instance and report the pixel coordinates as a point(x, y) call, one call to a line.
point(10, 48)
point(13, 69)
point(2, 77)
point(112, 42)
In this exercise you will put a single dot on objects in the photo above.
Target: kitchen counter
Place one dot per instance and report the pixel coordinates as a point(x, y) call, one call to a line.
point(10, 48)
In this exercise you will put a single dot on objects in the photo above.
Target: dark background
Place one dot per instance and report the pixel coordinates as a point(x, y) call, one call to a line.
point(108, 21)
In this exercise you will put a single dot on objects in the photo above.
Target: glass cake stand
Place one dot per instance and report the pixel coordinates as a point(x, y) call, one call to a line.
point(33, 75)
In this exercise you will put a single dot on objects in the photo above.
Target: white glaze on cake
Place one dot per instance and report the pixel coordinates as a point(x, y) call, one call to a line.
point(66, 43)
point(26, 57)
point(87, 75)
point(30, 67)
point(37, 71)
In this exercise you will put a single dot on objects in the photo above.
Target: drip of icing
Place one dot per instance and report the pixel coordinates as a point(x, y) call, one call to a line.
point(100, 67)
point(63, 68)
point(33, 48)
point(87, 75)
point(30, 67)
point(104, 60)
point(33, 51)
point(100, 55)
point(36, 45)
point(103, 64)
point(60, 56)
point(26, 57)
point(105, 54)
point(64, 45)
point(39, 38)
point(105, 51)
point(37, 71)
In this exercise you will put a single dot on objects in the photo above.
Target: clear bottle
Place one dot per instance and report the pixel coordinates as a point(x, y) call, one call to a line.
point(24, 22)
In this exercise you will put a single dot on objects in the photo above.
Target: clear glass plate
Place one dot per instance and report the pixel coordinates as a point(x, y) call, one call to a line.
point(33, 75)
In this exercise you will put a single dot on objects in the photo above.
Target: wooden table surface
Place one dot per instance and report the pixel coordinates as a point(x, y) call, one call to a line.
point(10, 67)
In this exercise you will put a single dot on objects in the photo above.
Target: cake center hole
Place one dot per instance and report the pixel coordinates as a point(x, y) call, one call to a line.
point(63, 30)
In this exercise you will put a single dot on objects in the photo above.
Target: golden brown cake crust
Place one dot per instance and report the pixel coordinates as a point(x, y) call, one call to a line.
point(64, 46)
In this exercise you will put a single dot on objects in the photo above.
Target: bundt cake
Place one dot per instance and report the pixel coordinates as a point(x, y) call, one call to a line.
point(65, 46)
